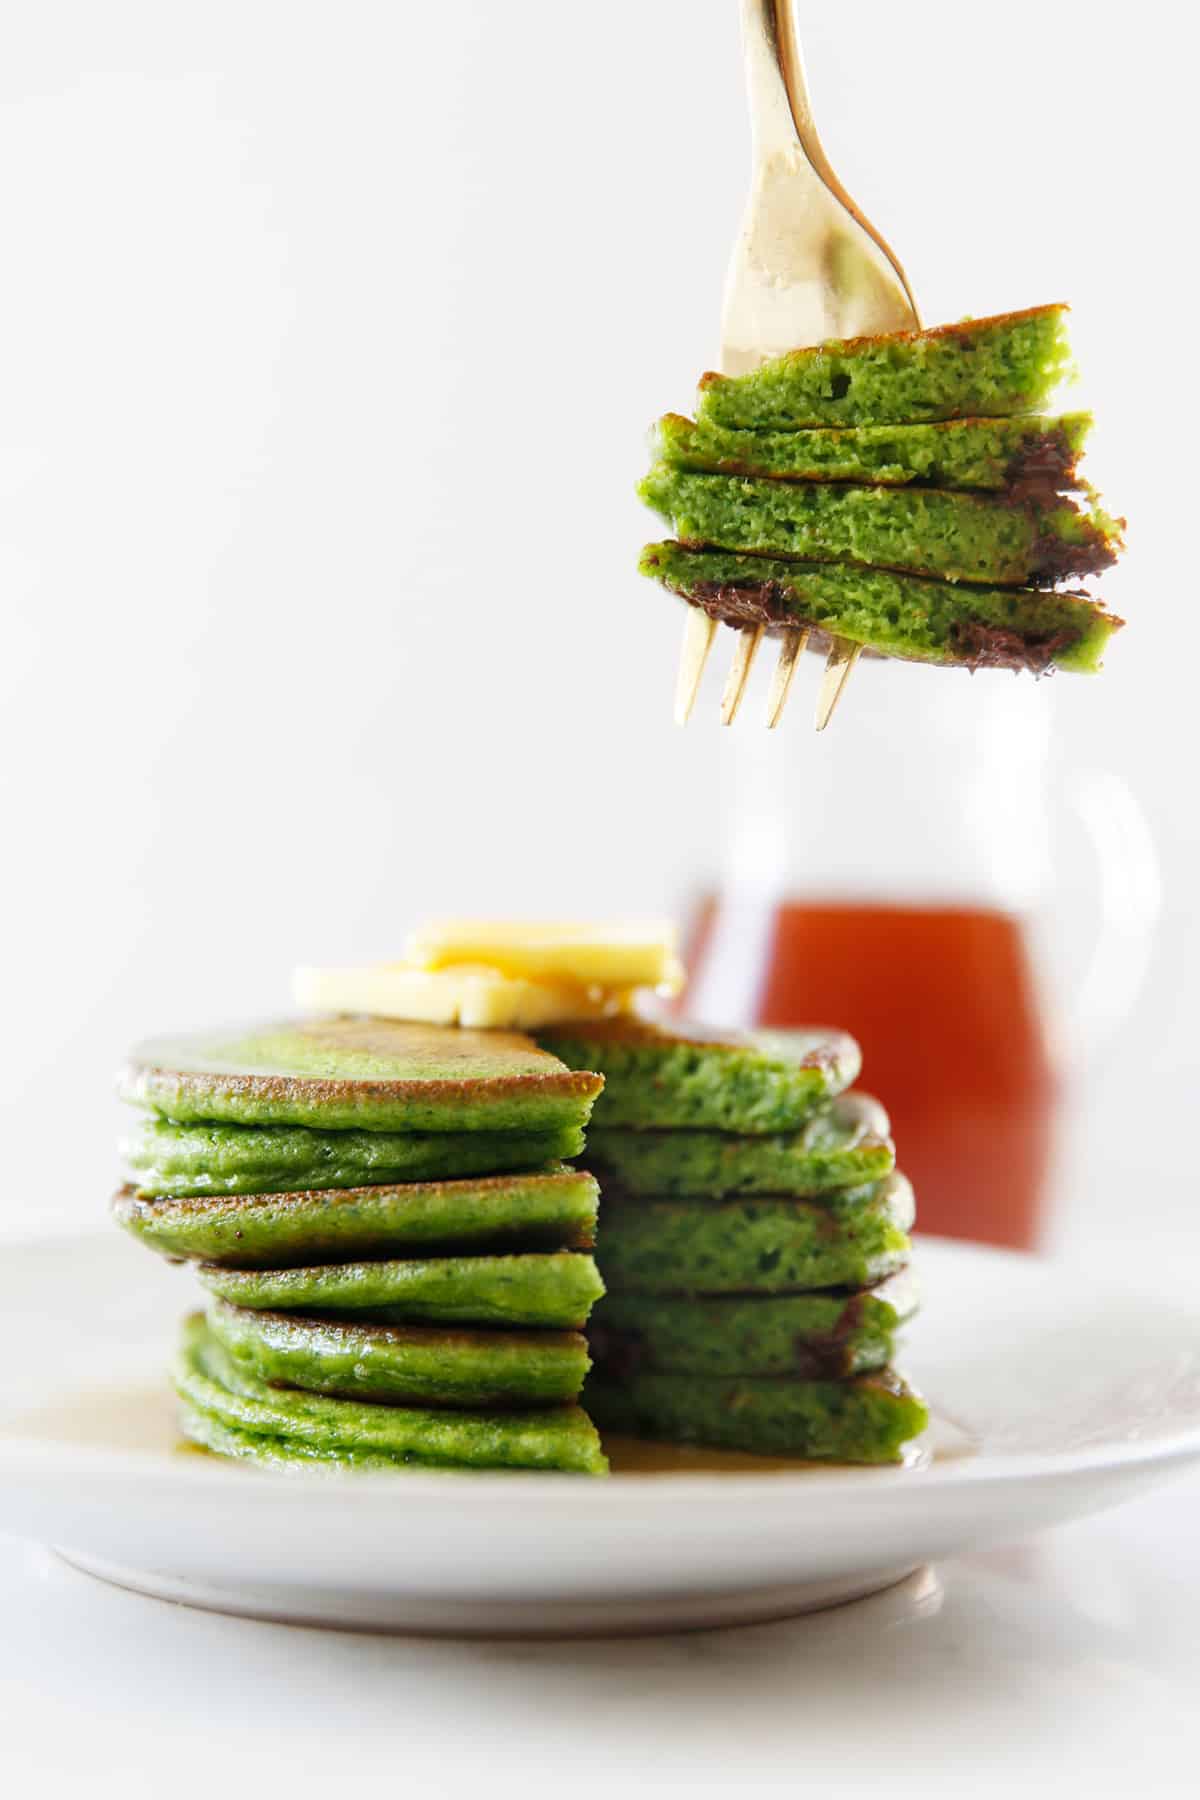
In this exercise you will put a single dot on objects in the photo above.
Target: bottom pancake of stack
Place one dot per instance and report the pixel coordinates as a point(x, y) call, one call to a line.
point(227, 1408)
point(867, 1420)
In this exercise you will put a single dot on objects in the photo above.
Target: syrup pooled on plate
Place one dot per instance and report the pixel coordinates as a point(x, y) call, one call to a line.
point(143, 1418)
point(644, 1456)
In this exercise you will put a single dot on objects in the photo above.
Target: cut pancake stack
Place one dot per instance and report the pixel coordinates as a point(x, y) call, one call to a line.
point(754, 1246)
point(395, 1256)
point(902, 493)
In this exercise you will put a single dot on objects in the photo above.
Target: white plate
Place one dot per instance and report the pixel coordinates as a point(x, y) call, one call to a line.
point(1051, 1397)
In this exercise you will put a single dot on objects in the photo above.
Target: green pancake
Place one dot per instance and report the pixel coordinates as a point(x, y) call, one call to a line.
point(1030, 453)
point(895, 615)
point(556, 1290)
point(206, 1431)
point(844, 1145)
point(867, 1420)
point(180, 1160)
point(980, 368)
point(230, 1411)
point(553, 1211)
point(770, 1245)
point(348, 1073)
point(924, 531)
point(403, 1365)
point(831, 1335)
point(765, 1081)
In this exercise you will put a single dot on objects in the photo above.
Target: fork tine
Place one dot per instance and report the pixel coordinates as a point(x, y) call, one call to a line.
point(698, 634)
point(791, 649)
point(839, 665)
point(746, 649)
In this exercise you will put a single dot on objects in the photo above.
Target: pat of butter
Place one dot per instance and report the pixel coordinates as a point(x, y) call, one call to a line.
point(584, 956)
point(468, 995)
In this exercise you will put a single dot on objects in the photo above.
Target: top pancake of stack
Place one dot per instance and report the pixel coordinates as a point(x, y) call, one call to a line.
point(367, 1073)
point(986, 368)
point(659, 1078)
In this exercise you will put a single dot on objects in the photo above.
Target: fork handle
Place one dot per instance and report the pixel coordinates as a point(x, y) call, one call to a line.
point(774, 75)
point(781, 114)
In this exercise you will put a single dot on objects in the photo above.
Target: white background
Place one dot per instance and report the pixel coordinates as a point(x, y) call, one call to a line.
point(329, 335)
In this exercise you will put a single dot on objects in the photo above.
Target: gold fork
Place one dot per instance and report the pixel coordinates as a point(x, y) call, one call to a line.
point(807, 265)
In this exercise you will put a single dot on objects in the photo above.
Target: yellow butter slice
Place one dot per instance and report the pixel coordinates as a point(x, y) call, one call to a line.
point(470, 995)
point(642, 954)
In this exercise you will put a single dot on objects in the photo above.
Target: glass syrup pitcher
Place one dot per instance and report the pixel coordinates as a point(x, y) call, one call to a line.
point(928, 876)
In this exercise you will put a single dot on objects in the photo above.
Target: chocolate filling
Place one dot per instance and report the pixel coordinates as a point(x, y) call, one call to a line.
point(1041, 468)
point(972, 644)
point(760, 603)
point(618, 1353)
point(979, 646)
point(1055, 559)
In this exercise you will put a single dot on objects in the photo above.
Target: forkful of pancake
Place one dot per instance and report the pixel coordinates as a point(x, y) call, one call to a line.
point(852, 482)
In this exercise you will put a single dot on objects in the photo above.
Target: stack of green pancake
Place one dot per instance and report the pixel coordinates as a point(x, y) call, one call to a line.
point(903, 493)
point(754, 1246)
point(394, 1253)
